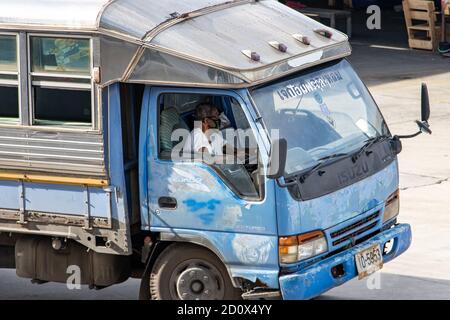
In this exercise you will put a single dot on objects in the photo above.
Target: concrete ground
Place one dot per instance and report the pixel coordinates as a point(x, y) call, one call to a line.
point(423, 272)
point(394, 75)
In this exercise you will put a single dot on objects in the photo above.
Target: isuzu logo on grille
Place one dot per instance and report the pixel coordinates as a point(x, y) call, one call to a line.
point(353, 173)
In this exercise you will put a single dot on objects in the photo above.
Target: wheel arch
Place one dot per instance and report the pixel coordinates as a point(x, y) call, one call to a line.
point(166, 240)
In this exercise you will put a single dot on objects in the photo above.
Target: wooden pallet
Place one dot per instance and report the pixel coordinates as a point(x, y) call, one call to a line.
point(420, 16)
point(445, 25)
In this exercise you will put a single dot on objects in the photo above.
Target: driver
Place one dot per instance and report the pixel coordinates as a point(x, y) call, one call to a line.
point(205, 137)
point(220, 118)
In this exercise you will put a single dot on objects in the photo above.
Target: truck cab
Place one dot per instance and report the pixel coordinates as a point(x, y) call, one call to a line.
point(95, 113)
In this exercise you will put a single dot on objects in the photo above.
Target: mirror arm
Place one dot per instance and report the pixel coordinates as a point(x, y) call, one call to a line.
point(410, 136)
point(281, 184)
point(424, 127)
point(284, 184)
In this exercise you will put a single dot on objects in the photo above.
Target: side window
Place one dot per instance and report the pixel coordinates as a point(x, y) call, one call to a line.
point(176, 111)
point(61, 82)
point(238, 114)
point(226, 143)
point(9, 82)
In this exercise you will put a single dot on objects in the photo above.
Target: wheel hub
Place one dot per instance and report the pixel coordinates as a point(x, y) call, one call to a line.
point(198, 283)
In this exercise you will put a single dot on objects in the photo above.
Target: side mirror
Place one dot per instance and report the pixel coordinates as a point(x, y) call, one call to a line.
point(277, 161)
point(424, 127)
point(425, 103)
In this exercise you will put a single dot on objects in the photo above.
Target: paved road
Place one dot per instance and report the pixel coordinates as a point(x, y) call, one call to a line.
point(387, 286)
point(394, 77)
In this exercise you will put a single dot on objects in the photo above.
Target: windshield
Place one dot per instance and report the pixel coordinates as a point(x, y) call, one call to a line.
point(324, 112)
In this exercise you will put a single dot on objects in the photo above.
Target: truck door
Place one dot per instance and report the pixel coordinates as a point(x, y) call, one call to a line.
point(228, 207)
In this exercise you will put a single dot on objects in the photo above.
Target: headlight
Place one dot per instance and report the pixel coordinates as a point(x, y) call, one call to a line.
point(301, 247)
point(392, 207)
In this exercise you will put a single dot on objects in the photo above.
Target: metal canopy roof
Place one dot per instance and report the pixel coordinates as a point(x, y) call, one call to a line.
point(221, 36)
point(212, 33)
point(69, 14)
point(136, 18)
point(131, 17)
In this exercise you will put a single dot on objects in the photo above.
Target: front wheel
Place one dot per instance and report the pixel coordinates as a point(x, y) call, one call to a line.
point(186, 272)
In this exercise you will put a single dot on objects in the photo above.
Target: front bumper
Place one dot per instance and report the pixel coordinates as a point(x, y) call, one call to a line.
point(317, 279)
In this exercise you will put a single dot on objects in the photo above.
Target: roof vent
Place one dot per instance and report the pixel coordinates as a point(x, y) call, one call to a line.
point(252, 55)
point(279, 46)
point(303, 39)
point(324, 33)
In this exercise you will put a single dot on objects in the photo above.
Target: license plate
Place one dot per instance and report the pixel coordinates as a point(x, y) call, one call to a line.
point(369, 261)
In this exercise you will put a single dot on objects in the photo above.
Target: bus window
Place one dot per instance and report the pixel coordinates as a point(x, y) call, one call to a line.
point(9, 83)
point(61, 81)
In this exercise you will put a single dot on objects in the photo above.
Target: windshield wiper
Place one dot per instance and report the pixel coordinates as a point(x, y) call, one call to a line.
point(333, 156)
point(368, 144)
point(324, 161)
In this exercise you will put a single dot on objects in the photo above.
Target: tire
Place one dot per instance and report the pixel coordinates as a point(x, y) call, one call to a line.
point(187, 272)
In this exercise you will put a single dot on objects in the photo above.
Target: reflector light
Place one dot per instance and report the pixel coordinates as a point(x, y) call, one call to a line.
point(279, 46)
point(303, 39)
point(252, 55)
point(324, 33)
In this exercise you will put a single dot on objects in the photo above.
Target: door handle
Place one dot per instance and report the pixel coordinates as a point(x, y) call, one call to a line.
point(167, 203)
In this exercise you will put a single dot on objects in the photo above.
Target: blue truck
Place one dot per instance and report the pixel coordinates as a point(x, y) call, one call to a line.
point(97, 103)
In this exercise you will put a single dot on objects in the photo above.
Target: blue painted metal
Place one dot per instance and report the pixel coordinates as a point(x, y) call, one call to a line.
point(116, 166)
point(338, 210)
point(9, 195)
point(71, 200)
point(245, 234)
point(247, 256)
point(51, 198)
point(377, 225)
point(204, 200)
point(317, 279)
point(145, 140)
point(295, 217)
point(80, 201)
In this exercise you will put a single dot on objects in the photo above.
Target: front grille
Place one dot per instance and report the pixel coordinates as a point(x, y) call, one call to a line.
point(354, 230)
